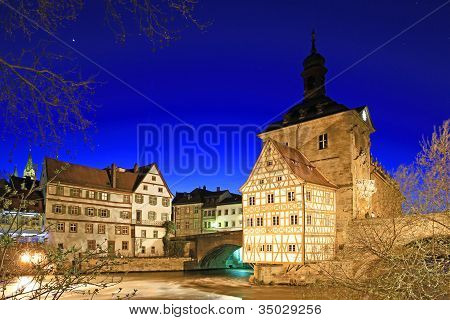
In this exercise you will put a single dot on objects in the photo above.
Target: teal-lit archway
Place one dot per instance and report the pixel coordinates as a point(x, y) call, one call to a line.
point(223, 257)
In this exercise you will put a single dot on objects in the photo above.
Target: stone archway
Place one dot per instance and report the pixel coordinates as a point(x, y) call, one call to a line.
point(221, 257)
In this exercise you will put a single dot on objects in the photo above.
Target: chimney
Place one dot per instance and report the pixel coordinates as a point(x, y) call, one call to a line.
point(114, 175)
point(135, 168)
point(218, 188)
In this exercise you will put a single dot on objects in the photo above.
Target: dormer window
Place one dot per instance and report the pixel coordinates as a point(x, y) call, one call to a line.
point(323, 141)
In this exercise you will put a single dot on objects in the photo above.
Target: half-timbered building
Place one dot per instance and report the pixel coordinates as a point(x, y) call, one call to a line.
point(289, 209)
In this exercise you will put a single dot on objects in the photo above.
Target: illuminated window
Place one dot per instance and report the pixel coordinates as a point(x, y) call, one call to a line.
point(118, 229)
point(91, 194)
point(323, 141)
point(364, 115)
point(103, 196)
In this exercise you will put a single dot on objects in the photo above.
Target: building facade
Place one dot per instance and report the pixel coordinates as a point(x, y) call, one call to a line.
point(289, 209)
point(229, 214)
point(202, 211)
point(89, 208)
point(23, 216)
point(336, 141)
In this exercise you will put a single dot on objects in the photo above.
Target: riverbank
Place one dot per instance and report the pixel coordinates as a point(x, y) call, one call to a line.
point(152, 264)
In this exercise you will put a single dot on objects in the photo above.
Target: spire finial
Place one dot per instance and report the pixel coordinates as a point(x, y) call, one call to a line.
point(313, 41)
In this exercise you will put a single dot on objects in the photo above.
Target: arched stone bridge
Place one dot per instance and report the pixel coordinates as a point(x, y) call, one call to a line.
point(212, 250)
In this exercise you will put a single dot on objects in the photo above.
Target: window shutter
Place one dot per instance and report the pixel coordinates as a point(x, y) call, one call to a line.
point(95, 211)
point(53, 208)
point(86, 211)
point(63, 209)
point(108, 213)
point(69, 209)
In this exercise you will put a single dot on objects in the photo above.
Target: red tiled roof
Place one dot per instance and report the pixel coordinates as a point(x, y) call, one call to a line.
point(85, 176)
point(301, 166)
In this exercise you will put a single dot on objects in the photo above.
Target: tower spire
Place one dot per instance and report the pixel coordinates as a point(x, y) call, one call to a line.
point(313, 42)
point(29, 168)
point(314, 71)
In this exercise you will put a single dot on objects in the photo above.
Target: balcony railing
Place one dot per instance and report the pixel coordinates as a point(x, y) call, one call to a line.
point(157, 223)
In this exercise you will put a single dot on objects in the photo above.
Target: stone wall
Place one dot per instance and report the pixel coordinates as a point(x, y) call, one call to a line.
point(152, 264)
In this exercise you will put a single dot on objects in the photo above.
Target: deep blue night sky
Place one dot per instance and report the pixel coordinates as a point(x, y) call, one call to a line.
point(245, 69)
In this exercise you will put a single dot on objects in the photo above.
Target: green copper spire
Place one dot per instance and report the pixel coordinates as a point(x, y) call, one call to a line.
point(29, 168)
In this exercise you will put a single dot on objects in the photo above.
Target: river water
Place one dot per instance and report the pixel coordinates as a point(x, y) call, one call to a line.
point(210, 284)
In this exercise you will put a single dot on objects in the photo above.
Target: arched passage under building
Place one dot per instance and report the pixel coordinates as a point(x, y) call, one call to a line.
point(223, 257)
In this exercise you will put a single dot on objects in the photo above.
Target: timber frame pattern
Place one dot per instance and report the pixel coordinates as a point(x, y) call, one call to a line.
point(277, 227)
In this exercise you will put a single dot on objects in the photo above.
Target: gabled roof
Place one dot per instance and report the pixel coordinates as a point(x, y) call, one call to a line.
point(301, 167)
point(235, 198)
point(84, 176)
point(201, 195)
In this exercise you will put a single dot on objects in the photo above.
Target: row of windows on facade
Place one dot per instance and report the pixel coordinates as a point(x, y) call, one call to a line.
point(92, 245)
point(290, 197)
point(226, 224)
point(101, 229)
point(105, 196)
point(268, 247)
point(104, 213)
point(293, 220)
point(212, 213)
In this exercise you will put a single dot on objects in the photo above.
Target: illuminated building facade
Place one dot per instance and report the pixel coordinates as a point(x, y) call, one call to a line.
point(120, 210)
point(289, 209)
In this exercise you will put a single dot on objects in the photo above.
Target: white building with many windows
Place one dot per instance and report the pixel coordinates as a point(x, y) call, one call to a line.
point(87, 207)
point(229, 214)
point(289, 209)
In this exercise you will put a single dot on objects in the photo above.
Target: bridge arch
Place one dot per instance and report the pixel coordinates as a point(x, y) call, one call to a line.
point(222, 256)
